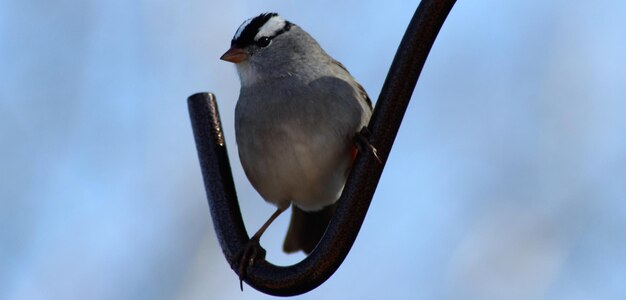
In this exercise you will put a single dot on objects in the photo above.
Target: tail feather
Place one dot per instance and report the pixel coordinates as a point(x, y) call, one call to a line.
point(307, 228)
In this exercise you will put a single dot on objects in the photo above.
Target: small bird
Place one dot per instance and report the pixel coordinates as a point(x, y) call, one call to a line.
point(298, 116)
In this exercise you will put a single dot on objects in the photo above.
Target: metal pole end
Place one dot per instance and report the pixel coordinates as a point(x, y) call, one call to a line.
point(201, 96)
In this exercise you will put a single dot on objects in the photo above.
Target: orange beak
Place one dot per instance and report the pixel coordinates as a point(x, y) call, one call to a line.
point(235, 55)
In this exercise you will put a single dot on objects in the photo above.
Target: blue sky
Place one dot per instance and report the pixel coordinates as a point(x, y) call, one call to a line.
point(506, 180)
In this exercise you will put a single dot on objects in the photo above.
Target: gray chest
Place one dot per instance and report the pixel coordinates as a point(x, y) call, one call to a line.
point(325, 111)
point(287, 137)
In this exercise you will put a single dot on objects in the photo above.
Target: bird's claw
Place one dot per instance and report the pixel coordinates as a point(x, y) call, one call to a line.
point(246, 257)
point(362, 141)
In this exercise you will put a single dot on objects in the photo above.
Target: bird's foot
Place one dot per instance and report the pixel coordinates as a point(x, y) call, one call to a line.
point(246, 257)
point(362, 142)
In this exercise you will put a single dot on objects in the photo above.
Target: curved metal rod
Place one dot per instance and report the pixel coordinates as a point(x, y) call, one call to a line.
point(360, 187)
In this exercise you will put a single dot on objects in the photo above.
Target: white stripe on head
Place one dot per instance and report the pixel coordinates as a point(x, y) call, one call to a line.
point(270, 27)
point(242, 27)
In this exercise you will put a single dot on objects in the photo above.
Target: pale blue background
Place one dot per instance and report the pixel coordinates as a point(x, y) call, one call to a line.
point(507, 180)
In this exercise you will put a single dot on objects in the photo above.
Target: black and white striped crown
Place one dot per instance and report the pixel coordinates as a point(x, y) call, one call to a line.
point(265, 26)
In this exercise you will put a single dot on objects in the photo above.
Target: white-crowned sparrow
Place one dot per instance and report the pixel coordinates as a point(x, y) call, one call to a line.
point(295, 121)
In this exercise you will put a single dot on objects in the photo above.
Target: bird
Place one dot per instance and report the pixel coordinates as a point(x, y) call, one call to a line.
point(300, 120)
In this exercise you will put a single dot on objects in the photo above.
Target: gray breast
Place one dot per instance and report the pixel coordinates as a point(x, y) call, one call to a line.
point(295, 144)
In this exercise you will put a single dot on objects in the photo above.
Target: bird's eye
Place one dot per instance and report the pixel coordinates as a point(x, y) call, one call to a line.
point(263, 41)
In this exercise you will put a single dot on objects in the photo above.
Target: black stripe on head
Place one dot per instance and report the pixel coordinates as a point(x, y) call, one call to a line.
point(250, 28)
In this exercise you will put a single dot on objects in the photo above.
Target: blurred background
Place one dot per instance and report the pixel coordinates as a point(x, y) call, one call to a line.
point(506, 181)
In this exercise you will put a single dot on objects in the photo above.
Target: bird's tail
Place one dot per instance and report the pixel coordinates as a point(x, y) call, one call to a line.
point(307, 228)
